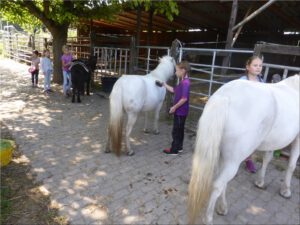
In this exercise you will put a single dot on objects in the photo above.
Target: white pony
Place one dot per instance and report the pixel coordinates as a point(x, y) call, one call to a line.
point(132, 94)
point(238, 119)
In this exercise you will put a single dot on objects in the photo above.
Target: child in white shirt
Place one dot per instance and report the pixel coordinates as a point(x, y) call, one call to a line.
point(47, 68)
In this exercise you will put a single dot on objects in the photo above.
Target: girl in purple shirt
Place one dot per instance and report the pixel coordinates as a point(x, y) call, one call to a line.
point(66, 60)
point(180, 107)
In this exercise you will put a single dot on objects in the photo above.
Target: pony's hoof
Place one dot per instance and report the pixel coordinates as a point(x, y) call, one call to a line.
point(131, 153)
point(260, 185)
point(107, 151)
point(146, 131)
point(156, 132)
point(222, 210)
point(73, 101)
point(285, 193)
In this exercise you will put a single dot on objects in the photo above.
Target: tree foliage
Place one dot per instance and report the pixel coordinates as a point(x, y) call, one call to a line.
point(58, 15)
point(168, 8)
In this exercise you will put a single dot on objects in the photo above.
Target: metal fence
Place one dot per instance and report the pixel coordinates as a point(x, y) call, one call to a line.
point(19, 46)
point(207, 72)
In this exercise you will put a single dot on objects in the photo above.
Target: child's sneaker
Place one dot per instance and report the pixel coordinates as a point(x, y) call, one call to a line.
point(169, 152)
point(180, 150)
point(250, 166)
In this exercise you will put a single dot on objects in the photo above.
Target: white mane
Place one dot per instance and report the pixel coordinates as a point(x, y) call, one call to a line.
point(165, 69)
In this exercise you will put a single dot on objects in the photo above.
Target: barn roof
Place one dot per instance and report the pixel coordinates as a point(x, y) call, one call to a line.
point(213, 15)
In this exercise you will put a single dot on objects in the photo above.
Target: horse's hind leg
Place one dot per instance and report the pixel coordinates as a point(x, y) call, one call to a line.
point(285, 190)
point(130, 122)
point(78, 96)
point(226, 174)
point(260, 181)
point(222, 208)
point(87, 87)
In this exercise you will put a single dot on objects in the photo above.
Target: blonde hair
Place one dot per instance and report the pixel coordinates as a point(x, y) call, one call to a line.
point(66, 47)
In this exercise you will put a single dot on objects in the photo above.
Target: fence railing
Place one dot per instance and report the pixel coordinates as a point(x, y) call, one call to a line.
point(207, 72)
point(112, 61)
point(19, 46)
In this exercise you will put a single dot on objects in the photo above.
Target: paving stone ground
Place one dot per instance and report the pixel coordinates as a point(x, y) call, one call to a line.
point(64, 143)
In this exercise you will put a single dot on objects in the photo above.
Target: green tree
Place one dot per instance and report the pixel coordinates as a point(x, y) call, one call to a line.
point(58, 15)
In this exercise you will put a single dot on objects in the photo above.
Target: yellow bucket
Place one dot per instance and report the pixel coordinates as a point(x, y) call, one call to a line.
point(6, 149)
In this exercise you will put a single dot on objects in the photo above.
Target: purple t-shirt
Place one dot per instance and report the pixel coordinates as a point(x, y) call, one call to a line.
point(182, 90)
point(66, 58)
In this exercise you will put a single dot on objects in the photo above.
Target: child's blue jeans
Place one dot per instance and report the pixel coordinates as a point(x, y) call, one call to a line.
point(47, 80)
point(67, 82)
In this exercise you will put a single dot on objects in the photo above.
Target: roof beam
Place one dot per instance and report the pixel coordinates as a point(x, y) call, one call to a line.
point(255, 13)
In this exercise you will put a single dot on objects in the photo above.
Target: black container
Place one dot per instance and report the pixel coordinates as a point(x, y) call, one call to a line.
point(108, 83)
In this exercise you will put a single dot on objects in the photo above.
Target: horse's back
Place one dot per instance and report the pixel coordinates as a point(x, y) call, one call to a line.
point(260, 112)
point(139, 93)
point(286, 122)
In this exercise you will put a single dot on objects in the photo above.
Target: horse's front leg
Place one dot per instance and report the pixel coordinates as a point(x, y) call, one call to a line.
point(260, 181)
point(146, 130)
point(73, 94)
point(285, 190)
point(156, 118)
point(130, 122)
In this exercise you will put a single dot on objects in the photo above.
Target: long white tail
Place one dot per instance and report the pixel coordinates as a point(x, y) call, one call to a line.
point(116, 118)
point(206, 155)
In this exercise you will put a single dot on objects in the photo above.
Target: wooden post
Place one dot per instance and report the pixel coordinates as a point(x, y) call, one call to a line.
point(229, 38)
point(138, 35)
point(150, 22)
point(132, 55)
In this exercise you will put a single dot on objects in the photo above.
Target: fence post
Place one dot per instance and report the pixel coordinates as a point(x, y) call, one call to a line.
point(175, 52)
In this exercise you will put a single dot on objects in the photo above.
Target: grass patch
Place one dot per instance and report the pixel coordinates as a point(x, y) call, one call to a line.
point(6, 203)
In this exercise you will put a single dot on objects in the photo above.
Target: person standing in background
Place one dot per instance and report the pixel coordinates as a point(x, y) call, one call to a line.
point(66, 61)
point(34, 68)
point(47, 69)
point(253, 71)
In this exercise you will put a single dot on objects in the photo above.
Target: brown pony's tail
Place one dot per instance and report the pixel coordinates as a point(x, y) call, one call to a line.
point(206, 155)
point(116, 118)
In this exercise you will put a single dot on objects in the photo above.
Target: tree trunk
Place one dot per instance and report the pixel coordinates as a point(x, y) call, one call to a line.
point(59, 34)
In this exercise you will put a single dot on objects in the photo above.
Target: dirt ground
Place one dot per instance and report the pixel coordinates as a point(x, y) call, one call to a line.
point(22, 201)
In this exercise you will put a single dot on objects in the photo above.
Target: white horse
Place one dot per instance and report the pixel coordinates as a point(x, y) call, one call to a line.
point(238, 119)
point(133, 94)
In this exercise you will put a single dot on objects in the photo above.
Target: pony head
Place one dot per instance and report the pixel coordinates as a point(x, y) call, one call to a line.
point(165, 69)
point(167, 58)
